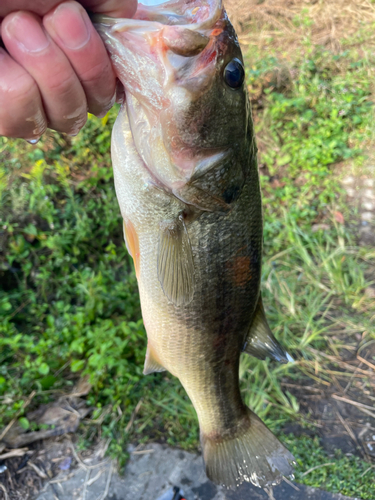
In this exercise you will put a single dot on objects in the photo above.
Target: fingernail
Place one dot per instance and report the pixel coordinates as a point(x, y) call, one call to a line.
point(72, 25)
point(33, 141)
point(27, 31)
point(101, 114)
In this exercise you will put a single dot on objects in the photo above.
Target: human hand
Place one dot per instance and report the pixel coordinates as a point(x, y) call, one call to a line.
point(54, 67)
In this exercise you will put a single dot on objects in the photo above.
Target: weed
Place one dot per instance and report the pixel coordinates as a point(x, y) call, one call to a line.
point(348, 475)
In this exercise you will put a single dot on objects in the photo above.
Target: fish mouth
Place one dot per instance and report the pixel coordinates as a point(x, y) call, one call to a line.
point(166, 58)
point(194, 15)
point(158, 36)
point(184, 26)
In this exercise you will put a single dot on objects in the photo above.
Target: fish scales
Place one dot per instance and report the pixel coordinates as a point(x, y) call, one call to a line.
point(212, 319)
point(186, 179)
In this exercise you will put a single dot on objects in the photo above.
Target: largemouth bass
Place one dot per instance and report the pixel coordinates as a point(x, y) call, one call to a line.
point(186, 178)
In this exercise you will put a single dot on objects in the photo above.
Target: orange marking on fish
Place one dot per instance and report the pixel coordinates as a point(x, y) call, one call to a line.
point(132, 244)
point(240, 270)
point(216, 32)
point(194, 11)
point(157, 43)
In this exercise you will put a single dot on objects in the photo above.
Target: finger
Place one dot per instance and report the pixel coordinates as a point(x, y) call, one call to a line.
point(21, 109)
point(63, 97)
point(115, 8)
point(39, 7)
point(70, 28)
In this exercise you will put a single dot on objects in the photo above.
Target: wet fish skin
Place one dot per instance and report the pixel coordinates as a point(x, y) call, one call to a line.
point(187, 183)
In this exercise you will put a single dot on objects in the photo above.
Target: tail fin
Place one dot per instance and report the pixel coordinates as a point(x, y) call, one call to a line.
point(255, 455)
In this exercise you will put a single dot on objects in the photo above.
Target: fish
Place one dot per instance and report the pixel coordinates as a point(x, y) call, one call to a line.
point(186, 178)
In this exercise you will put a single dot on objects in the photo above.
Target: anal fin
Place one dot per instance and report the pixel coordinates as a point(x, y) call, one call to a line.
point(175, 262)
point(261, 342)
point(152, 364)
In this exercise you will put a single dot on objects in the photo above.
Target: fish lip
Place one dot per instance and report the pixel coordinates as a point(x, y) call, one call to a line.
point(116, 25)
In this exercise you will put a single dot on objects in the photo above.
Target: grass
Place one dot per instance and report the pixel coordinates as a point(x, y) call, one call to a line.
point(340, 474)
point(68, 295)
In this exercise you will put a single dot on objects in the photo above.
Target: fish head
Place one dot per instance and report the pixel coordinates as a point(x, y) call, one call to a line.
point(183, 73)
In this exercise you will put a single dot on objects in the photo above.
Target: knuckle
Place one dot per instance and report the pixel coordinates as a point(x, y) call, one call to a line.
point(19, 87)
point(95, 72)
point(99, 84)
point(20, 112)
point(67, 89)
point(62, 82)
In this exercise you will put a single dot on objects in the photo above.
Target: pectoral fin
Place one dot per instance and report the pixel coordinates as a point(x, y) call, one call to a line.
point(260, 341)
point(152, 364)
point(175, 262)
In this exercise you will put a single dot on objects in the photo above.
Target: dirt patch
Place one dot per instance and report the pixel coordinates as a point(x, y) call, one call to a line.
point(24, 476)
point(281, 22)
point(34, 453)
point(342, 412)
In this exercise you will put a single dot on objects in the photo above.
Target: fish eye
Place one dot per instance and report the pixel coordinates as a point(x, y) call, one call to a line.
point(234, 74)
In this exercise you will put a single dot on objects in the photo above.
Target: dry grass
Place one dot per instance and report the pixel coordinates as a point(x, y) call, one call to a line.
point(288, 22)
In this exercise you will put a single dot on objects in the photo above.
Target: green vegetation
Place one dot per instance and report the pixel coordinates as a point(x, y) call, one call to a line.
point(68, 293)
point(320, 117)
point(347, 475)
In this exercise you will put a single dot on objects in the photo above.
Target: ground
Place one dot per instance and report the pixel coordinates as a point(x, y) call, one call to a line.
point(153, 470)
point(71, 337)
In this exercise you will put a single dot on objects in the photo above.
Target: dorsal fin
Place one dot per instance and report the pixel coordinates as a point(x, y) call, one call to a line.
point(261, 342)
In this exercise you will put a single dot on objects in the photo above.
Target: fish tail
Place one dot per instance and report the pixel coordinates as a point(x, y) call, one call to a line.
point(252, 453)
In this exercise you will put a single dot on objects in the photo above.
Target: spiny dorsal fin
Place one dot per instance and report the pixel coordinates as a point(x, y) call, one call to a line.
point(175, 262)
point(151, 363)
point(261, 342)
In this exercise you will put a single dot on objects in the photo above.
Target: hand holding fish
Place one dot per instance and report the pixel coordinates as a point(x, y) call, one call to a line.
point(54, 67)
